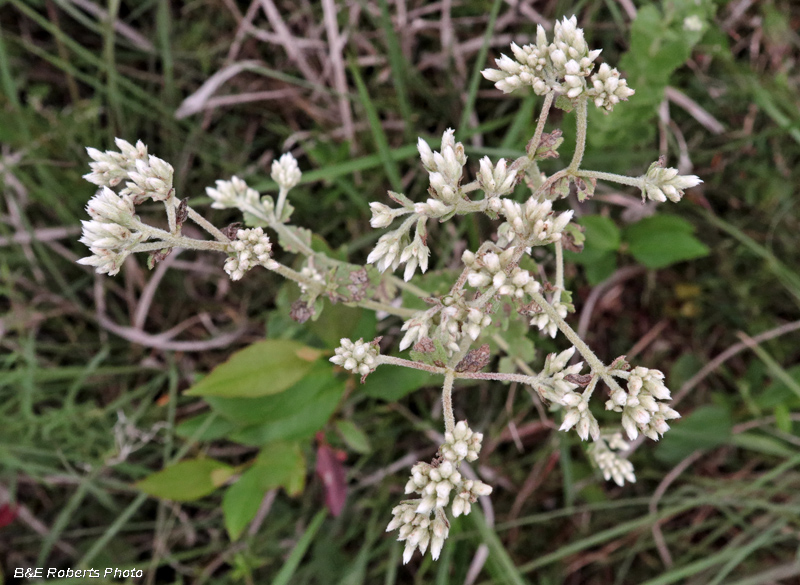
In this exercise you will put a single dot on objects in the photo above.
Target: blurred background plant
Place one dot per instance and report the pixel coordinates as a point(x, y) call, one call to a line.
point(93, 369)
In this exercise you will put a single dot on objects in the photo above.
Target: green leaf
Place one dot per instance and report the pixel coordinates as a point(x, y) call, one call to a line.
point(241, 502)
point(277, 465)
point(298, 234)
point(266, 367)
point(705, 428)
point(601, 233)
point(762, 444)
point(778, 392)
point(663, 240)
point(218, 428)
point(304, 421)
point(186, 481)
point(355, 438)
point(391, 383)
point(251, 411)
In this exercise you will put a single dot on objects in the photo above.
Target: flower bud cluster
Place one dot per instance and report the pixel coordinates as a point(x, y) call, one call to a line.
point(562, 66)
point(559, 390)
point(418, 530)
point(445, 168)
point(110, 235)
point(608, 88)
point(640, 406)
point(386, 254)
point(498, 180)
point(151, 179)
point(490, 268)
point(435, 483)
point(545, 323)
point(310, 272)
point(233, 193)
point(660, 184)
point(416, 329)
point(605, 453)
point(383, 215)
point(360, 357)
point(111, 168)
point(415, 254)
point(534, 222)
point(457, 321)
point(251, 248)
point(285, 172)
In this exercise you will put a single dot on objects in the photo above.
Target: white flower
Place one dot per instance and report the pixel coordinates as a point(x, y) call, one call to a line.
point(416, 328)
point(545, 323)
point(578, 415)
point(641, 411)
point(251, 248)
point(445, 168)
point(418, 530)
point(232, 194)
point(386, 253)
point(605, 453)
point(495, 181)
point(151, 179)
point(519, 283)
point(360, 357)
point(111, 168)
point(109, 207)
point(660, 184)
point(382, 215)
point(608, 88)
point(285, 172)
point(462, 443)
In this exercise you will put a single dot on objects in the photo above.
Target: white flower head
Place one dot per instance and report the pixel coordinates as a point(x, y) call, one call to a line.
point(359, 357)
point(608, 88)
point(250, 248)
point(640, 407)
point(606, 454)
point(496, 181)
point(285, 172)
point(232, 193)
point(111, 168)
point(660, 183)
point(151, 179)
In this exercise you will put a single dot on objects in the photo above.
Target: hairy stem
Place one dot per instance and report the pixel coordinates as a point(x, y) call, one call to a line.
point(559, 271)
point(580, 139)
point(206, 225)
point(594, 362)
point(537, 135)
point(615, 178)
point(447, 401)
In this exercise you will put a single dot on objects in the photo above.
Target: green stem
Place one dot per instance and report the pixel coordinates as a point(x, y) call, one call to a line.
point(281, 200)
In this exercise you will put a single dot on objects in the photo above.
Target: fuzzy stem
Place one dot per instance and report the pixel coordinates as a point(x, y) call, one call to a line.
point(559, 271)
point(537, 135)
point(169, 205)
point(207, 225)
point(281, 201)
point(594, 362)
point(615, 178)
point(447, 401)
point(174, 241)
point(396, 361)
point(580, 139)
point(150, 246)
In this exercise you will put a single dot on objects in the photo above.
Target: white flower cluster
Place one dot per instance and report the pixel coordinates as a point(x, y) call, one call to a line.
point(148, 176)
point(251, 248)
point(152, 179)
point(360, 357)
point(498, 180)
point(310, 272)
point(435, 483)
point(383, 215)
point(498, 270)
point(110, 235)
point(606, 454)
point(559, 390)
point(416, 328)
point(639, 406)
point(285, 171)
point(233, 193)
point(660, 184)
point(457, 321)
point(533, 222)
point(387, 252)
point(545, 323)
point(111, 168)
point(444, 168)
point(562, 66)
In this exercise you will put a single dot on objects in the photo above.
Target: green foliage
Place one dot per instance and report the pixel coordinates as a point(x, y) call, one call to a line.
point(704, 428)
point(263, 368)
point(186, 481)
point(663, 240)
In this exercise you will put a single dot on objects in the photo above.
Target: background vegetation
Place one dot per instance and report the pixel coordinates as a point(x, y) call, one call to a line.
point(93, 370)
